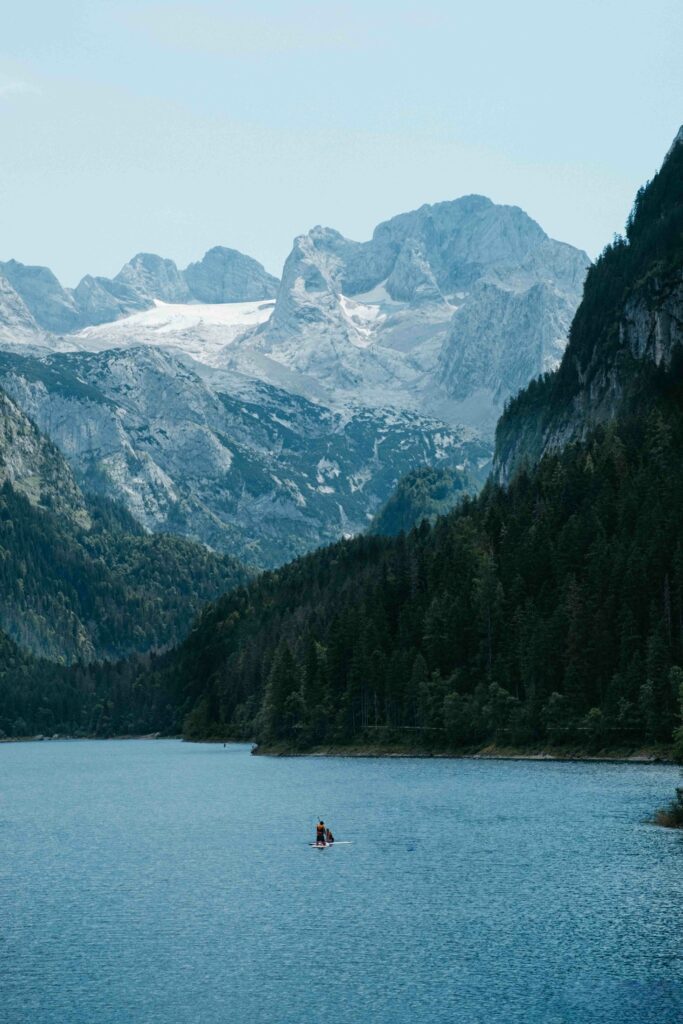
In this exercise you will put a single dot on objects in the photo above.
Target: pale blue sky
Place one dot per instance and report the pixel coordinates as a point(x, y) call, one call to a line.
point(172, 127)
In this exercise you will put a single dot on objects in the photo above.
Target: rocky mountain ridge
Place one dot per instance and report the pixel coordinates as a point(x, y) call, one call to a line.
point(451, 308)
point(33, 466)
point(33, 295)
point(267, 426)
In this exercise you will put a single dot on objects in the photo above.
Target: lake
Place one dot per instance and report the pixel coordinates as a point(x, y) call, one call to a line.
point(158, 881)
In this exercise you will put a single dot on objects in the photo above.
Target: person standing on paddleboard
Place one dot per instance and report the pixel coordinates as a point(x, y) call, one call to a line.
point(320, 833)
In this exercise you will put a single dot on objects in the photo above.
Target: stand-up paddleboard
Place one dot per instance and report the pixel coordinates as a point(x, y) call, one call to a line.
point(337, 842)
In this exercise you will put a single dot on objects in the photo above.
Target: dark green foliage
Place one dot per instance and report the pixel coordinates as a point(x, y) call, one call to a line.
point(39, 696)
point(423, 494)
point(69, 592)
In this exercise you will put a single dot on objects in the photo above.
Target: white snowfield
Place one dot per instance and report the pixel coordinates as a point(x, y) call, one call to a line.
point(200, 330)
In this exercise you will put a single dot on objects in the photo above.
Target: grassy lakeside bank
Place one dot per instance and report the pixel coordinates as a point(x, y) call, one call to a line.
point(656, 754)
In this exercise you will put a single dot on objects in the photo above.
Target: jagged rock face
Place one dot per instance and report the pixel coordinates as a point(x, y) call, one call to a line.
point(653, 330)
point(52, 307)
point(242, 466)
point(226, 275)
point(16, 323)
point(153, 277)
point(630, 320)
point(498, 318)
point(100, 300)
point(34, 467)
point(446, 302)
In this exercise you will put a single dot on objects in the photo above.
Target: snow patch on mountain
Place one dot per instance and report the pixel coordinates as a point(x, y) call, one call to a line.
point(199, 330)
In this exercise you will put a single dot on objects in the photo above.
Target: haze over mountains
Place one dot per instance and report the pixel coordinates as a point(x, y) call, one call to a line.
point(264, 418)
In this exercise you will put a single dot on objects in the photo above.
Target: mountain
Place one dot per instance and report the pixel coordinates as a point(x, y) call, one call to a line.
point(17, 325)
point(33, 468)
point(549, 610)
point(51, 307)
point(244, 467)
point(630, 320)
point(33, 299)
point(451, 308)
point(446, 311)
point(153, 277)
point(225, 275)
point(266, 418)
point(79, 578)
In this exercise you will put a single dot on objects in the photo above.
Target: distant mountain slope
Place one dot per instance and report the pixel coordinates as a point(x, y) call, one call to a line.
point(17, 325)
point(34, 468)
point(242, 466)
point(78, 577)
point(451, 307)
point(226, 275)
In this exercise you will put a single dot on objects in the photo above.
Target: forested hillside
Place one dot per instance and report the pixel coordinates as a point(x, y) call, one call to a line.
point(79, 577)
point(548, 611)
point(426, 493)
point(552, 611)
point(69, 591)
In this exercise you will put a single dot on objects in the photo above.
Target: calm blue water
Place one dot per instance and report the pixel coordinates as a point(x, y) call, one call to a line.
point(150, 881)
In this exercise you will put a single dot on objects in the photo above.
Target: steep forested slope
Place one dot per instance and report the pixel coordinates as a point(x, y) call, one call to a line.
point(38, 696)
point(552, 610)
